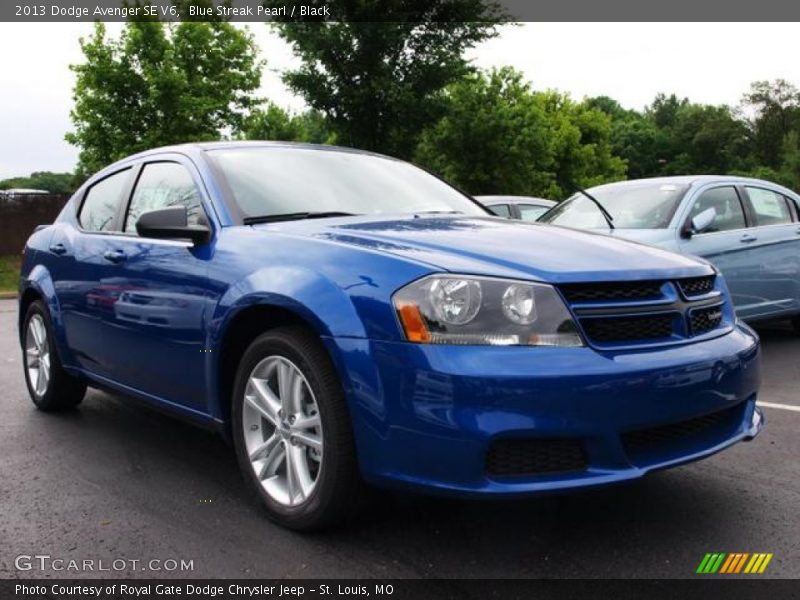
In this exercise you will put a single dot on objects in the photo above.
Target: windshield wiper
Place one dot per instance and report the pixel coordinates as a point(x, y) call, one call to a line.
point(294, 217)
point(606, 215)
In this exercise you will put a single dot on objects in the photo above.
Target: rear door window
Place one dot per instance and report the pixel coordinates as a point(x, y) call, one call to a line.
point(102, 201)
point(726, 203)
point(770, 208)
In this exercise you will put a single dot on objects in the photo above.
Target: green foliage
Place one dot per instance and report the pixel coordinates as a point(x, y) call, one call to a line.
point(160, 85)
point(9, 272)
point(776, 108)
point(377, 74)
point(273, 123)
point(674, 136)
point(392, 77)
point(55, 183)
point(498, 136)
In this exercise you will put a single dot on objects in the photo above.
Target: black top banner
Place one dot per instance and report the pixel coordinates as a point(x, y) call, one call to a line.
point(254, 11)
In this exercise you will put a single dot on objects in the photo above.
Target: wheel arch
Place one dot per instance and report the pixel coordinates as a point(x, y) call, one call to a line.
point(39, 286)
point(239, 331)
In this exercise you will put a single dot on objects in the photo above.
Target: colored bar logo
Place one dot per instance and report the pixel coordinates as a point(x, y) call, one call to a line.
point(735, 562)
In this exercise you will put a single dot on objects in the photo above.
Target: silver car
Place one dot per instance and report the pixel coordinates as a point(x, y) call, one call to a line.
point(748, 228)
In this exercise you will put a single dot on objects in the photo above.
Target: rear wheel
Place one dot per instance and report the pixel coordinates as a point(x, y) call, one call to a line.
point(292, 431)
point(51, 388)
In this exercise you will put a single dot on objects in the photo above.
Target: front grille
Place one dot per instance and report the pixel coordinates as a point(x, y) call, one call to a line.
point(604, 292)
point(655, 438)
point(521, 457)
point(697, 286)
point(641, 312)
point(604, 330)
point(705, 319)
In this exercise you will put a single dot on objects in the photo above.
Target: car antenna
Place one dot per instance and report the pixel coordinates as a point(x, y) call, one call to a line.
point(606, 215)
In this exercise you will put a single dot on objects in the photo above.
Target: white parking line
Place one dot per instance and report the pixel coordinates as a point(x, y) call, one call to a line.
point(780, 406)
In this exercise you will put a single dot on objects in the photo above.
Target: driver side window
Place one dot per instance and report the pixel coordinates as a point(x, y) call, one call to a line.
point(726, 203)
point(162, 185)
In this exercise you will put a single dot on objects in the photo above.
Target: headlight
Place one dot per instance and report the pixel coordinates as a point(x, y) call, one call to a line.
point(459, 309)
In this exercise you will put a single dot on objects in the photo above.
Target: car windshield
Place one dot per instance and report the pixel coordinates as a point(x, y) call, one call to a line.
point(646, 205)
point(279, 181)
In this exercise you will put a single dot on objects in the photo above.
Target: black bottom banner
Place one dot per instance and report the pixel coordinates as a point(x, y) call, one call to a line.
point(398, 589)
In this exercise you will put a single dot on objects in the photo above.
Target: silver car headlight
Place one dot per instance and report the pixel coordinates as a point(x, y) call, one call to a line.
point(462, 309)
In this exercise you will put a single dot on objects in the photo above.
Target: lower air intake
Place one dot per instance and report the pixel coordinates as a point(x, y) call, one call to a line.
point(661, 438)
point(521, 457)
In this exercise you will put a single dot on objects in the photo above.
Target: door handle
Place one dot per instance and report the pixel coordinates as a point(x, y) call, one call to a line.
point(748, 239)
point(115, 256)
point(58, 249)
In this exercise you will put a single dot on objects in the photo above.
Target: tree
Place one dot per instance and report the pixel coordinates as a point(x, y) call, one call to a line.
point(584, 155)
point(674, 136)
point(55, 183)
point(789, 174)
point(498, 136)
point(776, 108)
point(159, 85)
point(708, 139)
point(271, 122)
point(377, 73)
point(493, 137)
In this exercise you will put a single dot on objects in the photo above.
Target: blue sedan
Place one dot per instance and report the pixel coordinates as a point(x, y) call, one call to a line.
point(348, 319)
point(749, 228)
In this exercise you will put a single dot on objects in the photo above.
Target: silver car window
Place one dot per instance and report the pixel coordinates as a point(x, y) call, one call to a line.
point(725, 201)
point(770, 208)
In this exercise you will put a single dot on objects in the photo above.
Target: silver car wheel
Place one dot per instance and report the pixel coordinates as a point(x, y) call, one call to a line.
point(282, 430)
point(37, 351)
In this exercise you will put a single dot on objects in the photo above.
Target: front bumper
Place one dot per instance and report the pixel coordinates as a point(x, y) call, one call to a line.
point(428, 416)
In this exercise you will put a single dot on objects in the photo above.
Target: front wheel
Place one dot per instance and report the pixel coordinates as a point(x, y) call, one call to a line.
point(292, 431)
point(50, 387)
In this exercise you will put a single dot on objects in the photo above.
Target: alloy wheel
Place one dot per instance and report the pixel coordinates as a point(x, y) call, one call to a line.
point(282, 430)
point(37, 350)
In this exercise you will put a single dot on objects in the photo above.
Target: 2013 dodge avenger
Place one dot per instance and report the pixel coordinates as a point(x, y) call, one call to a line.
point(348, 318)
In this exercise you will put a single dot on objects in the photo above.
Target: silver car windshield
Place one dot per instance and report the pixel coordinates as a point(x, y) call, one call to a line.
point(647, 205)
point(274, 181)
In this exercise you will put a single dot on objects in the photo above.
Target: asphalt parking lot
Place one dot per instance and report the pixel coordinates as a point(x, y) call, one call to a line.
point(116, 480)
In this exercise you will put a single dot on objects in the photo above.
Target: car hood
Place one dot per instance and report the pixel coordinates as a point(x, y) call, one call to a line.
point(499, 247)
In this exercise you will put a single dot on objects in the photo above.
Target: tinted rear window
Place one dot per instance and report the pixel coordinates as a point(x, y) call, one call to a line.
point(102, 201)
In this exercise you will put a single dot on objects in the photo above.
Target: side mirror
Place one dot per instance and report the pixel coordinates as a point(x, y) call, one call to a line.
point(700, 223)
point(171, 224)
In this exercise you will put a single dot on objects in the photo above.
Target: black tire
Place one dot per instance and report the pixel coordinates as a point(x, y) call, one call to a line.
point(62, 391)
point(796, 325)
point(338, 488)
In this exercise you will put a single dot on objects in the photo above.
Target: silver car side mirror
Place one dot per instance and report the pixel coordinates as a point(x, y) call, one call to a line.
point(704, 220)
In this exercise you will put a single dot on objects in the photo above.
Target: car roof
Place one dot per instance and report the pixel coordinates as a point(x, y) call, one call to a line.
point(492, 200)
point(688, 180)
point(195, 147)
